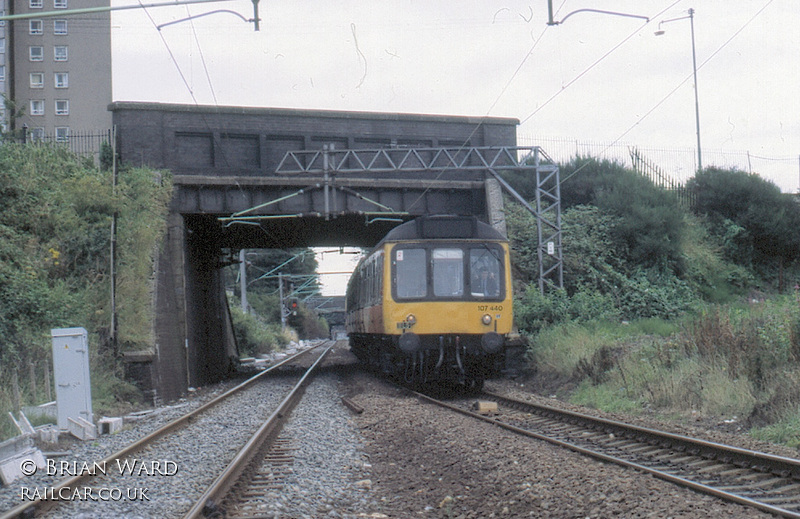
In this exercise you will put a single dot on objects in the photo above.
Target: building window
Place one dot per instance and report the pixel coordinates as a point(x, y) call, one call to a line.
point(37, 134)
point(62, 79)
point(62, 107)
point(35, 27)
point(2, 45)
point(37, 107)
point(62, 133)
point(60, 27)
point(60, 53)
point(36, 4)
point(2, 72)
point(36, 53)
point(60, 4)
point(2, 22)
point(37, 79)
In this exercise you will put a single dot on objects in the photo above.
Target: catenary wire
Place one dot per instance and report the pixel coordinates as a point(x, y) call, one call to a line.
point(671, 92)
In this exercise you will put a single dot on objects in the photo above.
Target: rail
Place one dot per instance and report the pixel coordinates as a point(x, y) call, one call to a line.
point(41, 504)
point(764, 481)
point(259, 441)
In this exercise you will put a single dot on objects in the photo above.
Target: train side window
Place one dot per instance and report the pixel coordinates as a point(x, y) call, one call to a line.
point(411, 273)
point(448, 272)
point(379, 278)
point(485, 272)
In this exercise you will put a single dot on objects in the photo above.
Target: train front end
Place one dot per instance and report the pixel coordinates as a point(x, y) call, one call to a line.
point(445, 305)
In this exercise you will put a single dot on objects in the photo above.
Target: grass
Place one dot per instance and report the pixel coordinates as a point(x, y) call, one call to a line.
point(608, 397)
point(786, 431)
point(725, 362)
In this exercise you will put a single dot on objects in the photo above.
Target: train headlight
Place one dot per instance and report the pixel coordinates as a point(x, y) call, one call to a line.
point(411, 319)
point(486, 319)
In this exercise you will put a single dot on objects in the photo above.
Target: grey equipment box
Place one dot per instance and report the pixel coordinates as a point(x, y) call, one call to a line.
point(71, 367)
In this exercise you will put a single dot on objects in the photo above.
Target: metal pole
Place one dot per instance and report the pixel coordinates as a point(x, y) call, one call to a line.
point(113, 252)
point(696, 100)
point(243, 280)
point(282, 305)
point(327, 179)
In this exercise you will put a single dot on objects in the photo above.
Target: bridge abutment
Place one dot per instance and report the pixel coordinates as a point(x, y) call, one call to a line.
point(195, 344)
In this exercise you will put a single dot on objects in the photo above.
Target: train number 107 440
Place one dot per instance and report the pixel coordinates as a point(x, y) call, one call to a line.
point(490, 308)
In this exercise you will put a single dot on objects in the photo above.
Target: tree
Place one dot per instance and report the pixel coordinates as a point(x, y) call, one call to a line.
point(770, 219)
point(651, 222)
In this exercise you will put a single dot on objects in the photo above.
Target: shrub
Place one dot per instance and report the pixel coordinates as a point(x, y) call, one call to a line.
point(254, 336)
point(55, 221)
point(757, 220)
point(534, 310)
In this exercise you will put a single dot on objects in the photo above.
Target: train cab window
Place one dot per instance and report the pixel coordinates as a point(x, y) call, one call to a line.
point(448, 272)
point(411, 273)
point(484, 267)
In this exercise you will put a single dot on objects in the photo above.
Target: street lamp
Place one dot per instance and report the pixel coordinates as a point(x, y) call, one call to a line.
point(660, 32)
point(614, 13)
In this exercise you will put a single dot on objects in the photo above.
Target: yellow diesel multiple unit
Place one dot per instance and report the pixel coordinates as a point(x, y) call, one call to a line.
point(432, 302)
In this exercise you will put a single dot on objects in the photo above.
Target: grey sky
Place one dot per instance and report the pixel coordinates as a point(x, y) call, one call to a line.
point(493, 58)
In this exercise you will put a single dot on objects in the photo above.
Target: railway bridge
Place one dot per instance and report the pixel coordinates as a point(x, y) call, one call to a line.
point(278, 178)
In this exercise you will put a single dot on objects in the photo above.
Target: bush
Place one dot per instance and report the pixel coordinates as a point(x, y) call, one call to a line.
point(599, 282)
point(650, 225)
point(254, 336)
point(761, 220)
point(534, 310)
point(55, 221)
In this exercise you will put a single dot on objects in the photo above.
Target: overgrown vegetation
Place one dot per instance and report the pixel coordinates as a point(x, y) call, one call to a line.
point(681, 312)
point(256, 335)
point(55, 229)
point(265, 270)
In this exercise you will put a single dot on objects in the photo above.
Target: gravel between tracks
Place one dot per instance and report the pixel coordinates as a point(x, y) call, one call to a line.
point(426, 463)
point(90, 451)
point(402, 458)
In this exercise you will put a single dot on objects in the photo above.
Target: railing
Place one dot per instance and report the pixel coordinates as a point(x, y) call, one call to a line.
point(657, 176)
point(82, 143)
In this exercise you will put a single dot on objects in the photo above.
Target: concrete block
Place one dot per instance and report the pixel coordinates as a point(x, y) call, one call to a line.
point(108, 425)
point(15, 446)
point(11, 469)
point(82, 429)
point(484, 407)
point(48, 434)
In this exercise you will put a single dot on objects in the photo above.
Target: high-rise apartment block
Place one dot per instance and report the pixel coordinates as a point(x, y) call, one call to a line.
point(55, 66)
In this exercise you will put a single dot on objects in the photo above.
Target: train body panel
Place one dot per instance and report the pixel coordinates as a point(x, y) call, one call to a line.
point(433, 301)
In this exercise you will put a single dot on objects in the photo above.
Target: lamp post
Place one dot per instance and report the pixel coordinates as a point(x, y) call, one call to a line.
point(659, 32)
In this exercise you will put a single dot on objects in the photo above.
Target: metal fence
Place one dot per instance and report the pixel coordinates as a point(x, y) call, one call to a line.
point(679, 164)
point(82, 143)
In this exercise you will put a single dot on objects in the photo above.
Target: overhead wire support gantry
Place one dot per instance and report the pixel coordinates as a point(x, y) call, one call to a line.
point(491, 160)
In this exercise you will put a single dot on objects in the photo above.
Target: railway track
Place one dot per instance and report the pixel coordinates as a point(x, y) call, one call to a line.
point(763, 481)
point(186, 448)
point(242, 489)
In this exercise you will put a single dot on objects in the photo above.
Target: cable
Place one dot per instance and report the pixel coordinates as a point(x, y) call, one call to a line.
point(202, 58)
point(600, 59)
point(735, 34)
point(221, 148)
point(494, 103)
point(171, 55)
